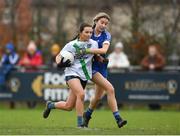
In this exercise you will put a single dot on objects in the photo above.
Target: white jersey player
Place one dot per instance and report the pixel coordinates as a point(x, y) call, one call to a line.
point(76, 74)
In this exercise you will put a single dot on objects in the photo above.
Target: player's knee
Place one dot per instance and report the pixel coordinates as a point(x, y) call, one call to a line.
point(69, 107)
point(110, 90)
point(81, 96)
point(96, 98)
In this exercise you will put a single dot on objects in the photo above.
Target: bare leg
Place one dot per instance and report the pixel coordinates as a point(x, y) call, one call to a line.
point(99, 93)
point(68, 104)
point(103, 84)
point(63, 105)
point(77, 89)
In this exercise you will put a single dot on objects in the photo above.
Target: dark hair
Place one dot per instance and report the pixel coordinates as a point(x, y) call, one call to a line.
point(94, 25)
point(81, 28)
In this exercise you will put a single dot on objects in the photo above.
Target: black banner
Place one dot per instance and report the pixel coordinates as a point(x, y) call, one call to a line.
point(37, 86)
point(129, 87)
point(146, 86)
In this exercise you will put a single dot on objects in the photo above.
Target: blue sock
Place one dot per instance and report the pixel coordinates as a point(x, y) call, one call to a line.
point(89, 112)
point(117, 116)
point(79, 121)
point(51, 105)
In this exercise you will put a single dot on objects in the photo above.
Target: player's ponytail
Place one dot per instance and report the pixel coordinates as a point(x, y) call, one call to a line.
point(75, 37)
point(94, 25)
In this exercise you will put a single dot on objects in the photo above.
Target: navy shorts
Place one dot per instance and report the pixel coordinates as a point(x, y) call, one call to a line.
point(83, 83)
point(99, 67)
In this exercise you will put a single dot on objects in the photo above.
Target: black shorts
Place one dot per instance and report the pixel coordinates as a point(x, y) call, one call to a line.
point(83, 83)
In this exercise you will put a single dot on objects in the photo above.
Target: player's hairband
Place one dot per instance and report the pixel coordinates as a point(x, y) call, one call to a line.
point(101, 15)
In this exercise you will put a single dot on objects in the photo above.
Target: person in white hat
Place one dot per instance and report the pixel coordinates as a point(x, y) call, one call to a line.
point(118, 59)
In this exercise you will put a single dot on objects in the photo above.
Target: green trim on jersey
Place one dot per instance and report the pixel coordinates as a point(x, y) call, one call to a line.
point(83, 64)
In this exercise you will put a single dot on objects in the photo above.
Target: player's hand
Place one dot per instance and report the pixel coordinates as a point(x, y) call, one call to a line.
point(62, 64)
point(101, 59)
point(83, 51)
point(106, 61)
point(58, 59)
point(98, 58)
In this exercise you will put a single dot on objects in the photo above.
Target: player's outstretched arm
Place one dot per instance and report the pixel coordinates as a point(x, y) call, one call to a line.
point(102, 50)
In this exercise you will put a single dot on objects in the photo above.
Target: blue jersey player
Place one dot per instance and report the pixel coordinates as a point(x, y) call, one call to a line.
point(103, 38)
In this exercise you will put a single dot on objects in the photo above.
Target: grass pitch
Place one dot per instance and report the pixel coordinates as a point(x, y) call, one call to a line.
point(25, 121)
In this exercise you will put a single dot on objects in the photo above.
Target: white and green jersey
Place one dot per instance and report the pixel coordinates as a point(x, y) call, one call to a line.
point(82, 65)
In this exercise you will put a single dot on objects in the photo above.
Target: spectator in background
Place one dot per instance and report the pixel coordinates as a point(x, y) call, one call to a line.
point(55, 49)
point(118, 59)
point(8, 61)
point(154, 61)
point(32, 59)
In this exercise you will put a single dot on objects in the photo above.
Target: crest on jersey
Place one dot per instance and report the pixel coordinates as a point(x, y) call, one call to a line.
point(89, 45)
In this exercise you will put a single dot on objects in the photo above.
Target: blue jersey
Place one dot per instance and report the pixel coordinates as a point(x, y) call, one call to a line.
point(104, 37)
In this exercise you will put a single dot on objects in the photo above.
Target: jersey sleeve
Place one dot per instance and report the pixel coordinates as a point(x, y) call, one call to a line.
point(108, 38)
point(95, 45)
point(69, 47)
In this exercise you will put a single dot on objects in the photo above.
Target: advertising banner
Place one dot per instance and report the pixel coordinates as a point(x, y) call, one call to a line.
point(146, 86)
point(131, 87)
point(37, 86)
